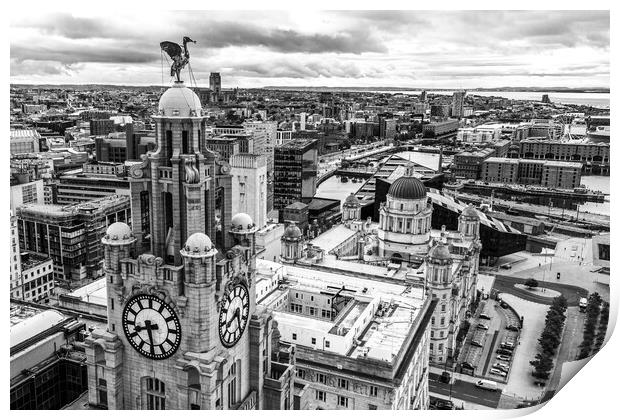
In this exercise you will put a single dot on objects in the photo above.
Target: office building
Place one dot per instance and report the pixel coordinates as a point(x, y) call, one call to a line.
point(249, 186)
point(532, 171)
point(440, 129)
point(47, 369)
point(387, 128)
point(363, 346)
point(24, 141)
point(138, 142)
point(111, 149)
point(101, 127)
point(26, 192)
point(94, 180)
point(295, 169)
point(15, 260)
point(36, 282)
point(71, 235)
point(468, 164)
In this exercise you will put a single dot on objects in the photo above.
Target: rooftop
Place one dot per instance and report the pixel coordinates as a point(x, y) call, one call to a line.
point(333, 237)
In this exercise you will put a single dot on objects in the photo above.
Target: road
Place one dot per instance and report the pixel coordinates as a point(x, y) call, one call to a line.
point(572, 294)
point(465, 391)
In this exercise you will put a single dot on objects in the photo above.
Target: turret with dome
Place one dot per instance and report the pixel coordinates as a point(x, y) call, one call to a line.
point(405, 219)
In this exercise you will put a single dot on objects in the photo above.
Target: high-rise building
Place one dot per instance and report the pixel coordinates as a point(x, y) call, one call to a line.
point(249, 186)
point(71, 235)
point(215, 83)
point(458, 102)
point(302, 121)
point(387, 128)
point(294, 168)
point(101, 127)
point(138, 142)
point(184, 330)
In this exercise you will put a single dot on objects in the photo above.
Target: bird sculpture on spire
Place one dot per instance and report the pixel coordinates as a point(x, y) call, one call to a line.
point(179, 56)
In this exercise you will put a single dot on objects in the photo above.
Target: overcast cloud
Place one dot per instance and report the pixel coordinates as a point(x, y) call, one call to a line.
point(345, 48)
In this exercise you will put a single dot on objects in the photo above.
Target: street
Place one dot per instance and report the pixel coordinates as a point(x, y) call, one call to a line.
point(465, 391)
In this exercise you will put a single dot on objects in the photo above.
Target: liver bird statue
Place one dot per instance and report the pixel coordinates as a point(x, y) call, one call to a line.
point(179, 56)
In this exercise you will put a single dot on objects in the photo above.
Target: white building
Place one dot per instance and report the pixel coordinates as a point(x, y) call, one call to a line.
point(249, 186)
point(24, 141)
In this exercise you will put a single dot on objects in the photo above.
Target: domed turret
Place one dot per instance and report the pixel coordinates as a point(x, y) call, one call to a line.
point(241, 221)
point(118, 233)
point(351, 201)
point(179, 101)
point(440, 252)
point(470, 211)
point(407, 188)
point(198, 245)
point(292, 232)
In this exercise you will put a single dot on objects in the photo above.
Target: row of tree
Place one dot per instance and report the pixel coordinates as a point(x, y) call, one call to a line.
point(593, 337)
point(550, 338)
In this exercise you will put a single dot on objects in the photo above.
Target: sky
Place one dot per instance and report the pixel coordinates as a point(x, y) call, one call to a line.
point(416, 49)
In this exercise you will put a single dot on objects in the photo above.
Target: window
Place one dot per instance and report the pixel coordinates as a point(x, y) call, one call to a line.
point(326, 344)
point(321, 378)
point(320, 395)
point(443, 320)
point(155, 394)
point(443, 308)
point(294, 336)
point(373, 391)
point(432, 334)
point(232, 385)
point(311, 311)
point(372, 407)
point(301, 374)
point(433, 321)
point(313, 340)
point(343, 383)
point(343, 401)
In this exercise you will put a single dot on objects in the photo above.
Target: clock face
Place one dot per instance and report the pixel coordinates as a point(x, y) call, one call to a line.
point(234, 314)
point(151, 326)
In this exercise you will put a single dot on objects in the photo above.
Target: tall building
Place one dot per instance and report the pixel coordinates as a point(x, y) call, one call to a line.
point(458, 102)
point(111, 149)
point(15, 260)
point(101, 127)
point(249, 186)
point(387, 128)
point(184, 330)
point(215, 83)
point(295, 169)
point(302, 121)
point(71, 235)
point(138, 142)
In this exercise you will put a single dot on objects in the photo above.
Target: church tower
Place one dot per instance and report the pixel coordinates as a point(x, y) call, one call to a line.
point(183, 328)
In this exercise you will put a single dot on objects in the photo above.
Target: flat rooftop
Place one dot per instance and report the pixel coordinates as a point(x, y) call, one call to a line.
point(333, 237)
point(375, 323)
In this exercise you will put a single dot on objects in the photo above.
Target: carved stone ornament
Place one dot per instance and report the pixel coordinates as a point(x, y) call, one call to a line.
point(192, 175)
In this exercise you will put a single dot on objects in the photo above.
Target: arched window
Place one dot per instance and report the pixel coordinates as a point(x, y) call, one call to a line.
point(100, 380)
point(154, 393)
point(193, 385)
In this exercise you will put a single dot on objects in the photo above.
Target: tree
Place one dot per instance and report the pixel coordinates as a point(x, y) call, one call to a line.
point(531, 283)
point(542, 366)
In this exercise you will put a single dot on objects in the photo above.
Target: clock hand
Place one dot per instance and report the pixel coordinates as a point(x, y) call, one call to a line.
point(235, 316)
point(147, 325)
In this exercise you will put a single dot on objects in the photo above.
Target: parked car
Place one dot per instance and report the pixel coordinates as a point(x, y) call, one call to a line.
point(506, 266)
point(503, 304)
point(482, 326)
point(505, 352)
point(497, 372)
point(512, 327)
point(504, 357)
point(507, 345)
point(485, 316)
point(502, 366)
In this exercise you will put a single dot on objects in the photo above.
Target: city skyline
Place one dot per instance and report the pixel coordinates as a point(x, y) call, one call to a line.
point(424, 49)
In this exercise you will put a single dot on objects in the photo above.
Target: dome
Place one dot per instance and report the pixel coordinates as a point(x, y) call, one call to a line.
point(469, 211)
point(351, 200)
point(118, 233)
point(241, 221)
point(197, 244)
point(440, 252)
point(179, 101)
point(292, 232)
point(408, 188)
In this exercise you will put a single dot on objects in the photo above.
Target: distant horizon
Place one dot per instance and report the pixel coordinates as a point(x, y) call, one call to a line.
point(541, 89)
point(352, 48)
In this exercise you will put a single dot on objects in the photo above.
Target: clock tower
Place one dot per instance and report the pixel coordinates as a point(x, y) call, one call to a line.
point(183, 328)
